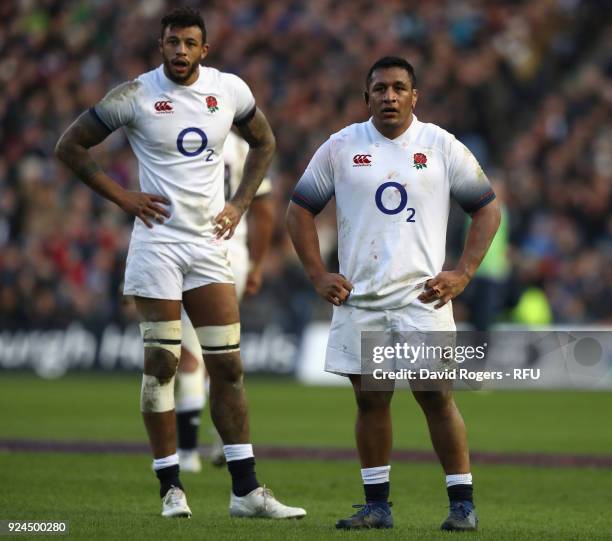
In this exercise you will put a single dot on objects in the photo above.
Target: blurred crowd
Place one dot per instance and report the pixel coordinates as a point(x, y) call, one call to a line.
point(526, 85)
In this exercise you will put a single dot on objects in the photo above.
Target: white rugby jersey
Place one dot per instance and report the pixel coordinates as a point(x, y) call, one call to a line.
point(392, 205)
point(177, 134)
point(234, 154)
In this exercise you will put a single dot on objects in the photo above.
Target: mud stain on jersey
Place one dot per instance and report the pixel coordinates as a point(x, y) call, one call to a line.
point(344, 227)
point(480, 174)
point(122, 92)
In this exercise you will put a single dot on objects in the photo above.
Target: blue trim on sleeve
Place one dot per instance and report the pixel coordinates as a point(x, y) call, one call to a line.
point(94, 113)
point(301, 201)
point(246, 118)
point(483, 201)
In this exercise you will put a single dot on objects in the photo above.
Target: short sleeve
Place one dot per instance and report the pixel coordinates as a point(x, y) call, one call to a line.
point(469, 185)
point(118, 107)
point(316, 187)
point(244, 100)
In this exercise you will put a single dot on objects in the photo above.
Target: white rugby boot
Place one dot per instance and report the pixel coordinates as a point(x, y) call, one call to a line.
point(261, 503)
point(189, 461)
point(174, 504)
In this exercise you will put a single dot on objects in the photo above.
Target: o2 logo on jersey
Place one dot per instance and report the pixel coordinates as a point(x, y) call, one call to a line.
point(400, 207)
point(198, 148)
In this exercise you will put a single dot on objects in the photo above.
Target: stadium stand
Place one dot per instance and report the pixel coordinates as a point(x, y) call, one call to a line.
point(527, 86)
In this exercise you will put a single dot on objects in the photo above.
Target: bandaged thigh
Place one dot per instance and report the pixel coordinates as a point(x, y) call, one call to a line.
point(223, 340)
point(219, 339)
point(157, 392)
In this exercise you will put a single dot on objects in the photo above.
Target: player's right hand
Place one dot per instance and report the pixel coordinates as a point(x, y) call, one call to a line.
point(145, 206)
point(333, 287)
point(226, 221)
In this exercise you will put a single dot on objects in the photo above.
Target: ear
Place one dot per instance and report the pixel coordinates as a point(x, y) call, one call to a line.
point(204, 51)
point(366, 97)
point(415, 97)
point(159, 45)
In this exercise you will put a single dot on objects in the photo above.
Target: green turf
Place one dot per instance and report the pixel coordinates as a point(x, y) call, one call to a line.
point(105, 408)
point(114, 497)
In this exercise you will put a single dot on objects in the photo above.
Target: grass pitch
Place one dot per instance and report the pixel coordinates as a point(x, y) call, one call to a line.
point(114, 496)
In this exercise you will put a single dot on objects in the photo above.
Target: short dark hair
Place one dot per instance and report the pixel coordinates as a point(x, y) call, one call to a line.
point(392, 62)
point(183, 17)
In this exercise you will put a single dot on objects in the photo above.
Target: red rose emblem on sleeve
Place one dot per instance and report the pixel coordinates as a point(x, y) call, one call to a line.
point(211, 103)
point(420, 160)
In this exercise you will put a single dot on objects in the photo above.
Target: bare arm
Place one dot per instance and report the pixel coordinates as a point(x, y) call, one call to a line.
point(334, 288)
point(448, 284)
point(485, 223)
point(258, 134)
point(260, 229)
point(73, 150)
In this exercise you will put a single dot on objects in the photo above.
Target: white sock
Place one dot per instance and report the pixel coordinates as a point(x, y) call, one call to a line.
point(458, 479)
point(376, 475)
point(167, 461)
point(238, 451)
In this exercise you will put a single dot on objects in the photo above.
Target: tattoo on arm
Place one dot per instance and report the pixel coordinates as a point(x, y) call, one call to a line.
point(72, 147)
point(258, 134)
point(72, 150)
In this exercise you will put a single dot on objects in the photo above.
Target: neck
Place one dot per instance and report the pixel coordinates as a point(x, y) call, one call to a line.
point(392, 132)
point(189, 81)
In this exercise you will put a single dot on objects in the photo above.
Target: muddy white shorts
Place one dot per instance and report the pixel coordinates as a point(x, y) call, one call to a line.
point(164, 270)
point(343, 355)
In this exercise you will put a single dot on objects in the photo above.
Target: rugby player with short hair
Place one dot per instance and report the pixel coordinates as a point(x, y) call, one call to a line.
point(247, 248)
point(393, 178)
point(176, 119)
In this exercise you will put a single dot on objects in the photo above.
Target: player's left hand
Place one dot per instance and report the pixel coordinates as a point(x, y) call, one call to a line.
point(226, 221)
point(444, 287)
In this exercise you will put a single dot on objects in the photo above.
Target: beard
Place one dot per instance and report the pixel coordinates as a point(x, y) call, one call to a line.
point(173, 76)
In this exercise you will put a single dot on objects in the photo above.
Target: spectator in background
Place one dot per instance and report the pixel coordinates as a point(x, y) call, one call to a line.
point(527, 86)
point(486, 294)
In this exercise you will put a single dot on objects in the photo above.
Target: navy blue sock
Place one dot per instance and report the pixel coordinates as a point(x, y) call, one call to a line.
point(168, 478)
point(460, 493)
point(243, 476)
point(377, 493)
point(187, 426)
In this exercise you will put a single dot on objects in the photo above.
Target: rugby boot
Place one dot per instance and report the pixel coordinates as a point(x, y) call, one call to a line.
point(462, 517)
point(370, 515)
point(174, 504)
point(261, 503)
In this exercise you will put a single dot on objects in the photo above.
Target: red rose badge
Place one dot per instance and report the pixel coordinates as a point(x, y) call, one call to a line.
point(211, 103)
point(420, 160)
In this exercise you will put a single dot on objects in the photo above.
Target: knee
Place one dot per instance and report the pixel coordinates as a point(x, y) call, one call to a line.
point(160, 364)
point(225, 368)
point(373, 401)
point(435, 402)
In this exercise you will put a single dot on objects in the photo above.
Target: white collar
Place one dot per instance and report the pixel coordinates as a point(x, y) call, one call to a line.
point(170, 83)
point(403, 137)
